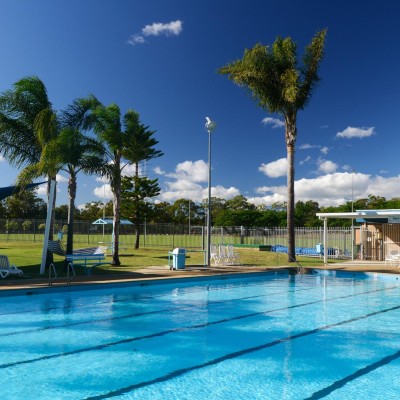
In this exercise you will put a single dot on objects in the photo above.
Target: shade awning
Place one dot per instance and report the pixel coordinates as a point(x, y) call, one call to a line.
point(11, 190)
point(110, 221)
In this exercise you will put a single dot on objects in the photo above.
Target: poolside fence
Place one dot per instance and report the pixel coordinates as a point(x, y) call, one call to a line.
point(172, 236)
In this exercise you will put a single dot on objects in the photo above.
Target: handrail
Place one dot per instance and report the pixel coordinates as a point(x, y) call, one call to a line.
point(52, 268)
point(70, 266)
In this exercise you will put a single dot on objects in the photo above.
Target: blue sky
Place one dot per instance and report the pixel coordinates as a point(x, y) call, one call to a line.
point(160, 58)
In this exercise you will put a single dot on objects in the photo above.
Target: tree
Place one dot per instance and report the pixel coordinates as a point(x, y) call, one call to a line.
point(279, 85)
point(25, 204)
point(141, 149)
point(162, 213)
point(239, 202)
point(72, 152)
point(134, 193)
point(27, 123)
point(117, 139)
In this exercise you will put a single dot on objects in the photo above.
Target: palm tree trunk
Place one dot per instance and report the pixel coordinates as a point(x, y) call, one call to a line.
point(291, 133)
point(137, 216)
point(116, 188)
point(49, 255)
point(71, 212)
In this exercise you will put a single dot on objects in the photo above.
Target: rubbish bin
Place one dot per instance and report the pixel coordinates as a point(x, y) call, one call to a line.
point(178, 258)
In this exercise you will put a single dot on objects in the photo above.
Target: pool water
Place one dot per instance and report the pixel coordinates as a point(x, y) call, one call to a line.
point(268, 336)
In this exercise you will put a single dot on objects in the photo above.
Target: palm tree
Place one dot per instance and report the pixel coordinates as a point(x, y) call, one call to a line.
point(279, 85)
point(72, 152)
point(27, 123)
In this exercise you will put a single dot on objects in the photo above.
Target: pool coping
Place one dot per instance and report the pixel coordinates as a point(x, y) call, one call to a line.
point(162, 274)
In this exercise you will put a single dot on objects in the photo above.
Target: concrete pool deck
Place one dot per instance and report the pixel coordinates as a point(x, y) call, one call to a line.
point(163, 272)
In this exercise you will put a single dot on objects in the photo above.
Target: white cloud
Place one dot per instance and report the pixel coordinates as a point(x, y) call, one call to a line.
point(306, 160)
point(173, 28)
point(307, 146)
point(61, 179)
point(326, 166)
point(332, 189)
point(195, 171)
point(351, 132)
point(158, 171)
point(136, 39)
point(274, 122)
point(158, 28)
point(274, 169)
point(2, 158)
point(41, 190)
point(103, 192)
point(324, 150)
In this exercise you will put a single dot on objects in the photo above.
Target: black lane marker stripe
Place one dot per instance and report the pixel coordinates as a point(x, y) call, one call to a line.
point(363, 371)
point(169, 331)
point(183, 371)
point(206, 288)
point(141, 314)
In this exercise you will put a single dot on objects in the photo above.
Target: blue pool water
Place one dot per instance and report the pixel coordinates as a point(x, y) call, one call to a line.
point(266, 336)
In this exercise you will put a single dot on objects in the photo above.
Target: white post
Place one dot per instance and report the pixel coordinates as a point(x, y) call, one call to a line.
point(48, 223)
point(210, 126)
point(325, 249)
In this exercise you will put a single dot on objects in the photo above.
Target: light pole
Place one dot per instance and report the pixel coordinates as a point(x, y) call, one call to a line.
point(352, 210)
point(210, 127)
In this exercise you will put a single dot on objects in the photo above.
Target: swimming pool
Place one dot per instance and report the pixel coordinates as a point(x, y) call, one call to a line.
point(268, 336)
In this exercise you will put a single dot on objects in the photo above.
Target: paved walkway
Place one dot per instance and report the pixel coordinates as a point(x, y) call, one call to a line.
point(163, 272)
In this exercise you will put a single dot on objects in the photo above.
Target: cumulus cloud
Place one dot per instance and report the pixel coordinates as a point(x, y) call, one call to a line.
point(327, 166)
point(274, 169)
point(195, 171)
point(103, 192)
point(274, 122)
point(158, 171)
point(350, 133)
point(189, 180)
point(173, 28)
point(158, 28)
point(332, 189)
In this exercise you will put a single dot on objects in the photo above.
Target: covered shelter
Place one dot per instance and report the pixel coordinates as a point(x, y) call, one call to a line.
point(110, 221)
point(378, 235)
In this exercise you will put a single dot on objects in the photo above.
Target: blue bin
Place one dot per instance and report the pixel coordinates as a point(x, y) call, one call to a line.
point(178, 258)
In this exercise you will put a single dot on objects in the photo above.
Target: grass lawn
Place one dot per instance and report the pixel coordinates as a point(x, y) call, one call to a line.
point(27, 256)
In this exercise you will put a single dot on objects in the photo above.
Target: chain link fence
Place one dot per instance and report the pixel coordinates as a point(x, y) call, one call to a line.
point(172, 236)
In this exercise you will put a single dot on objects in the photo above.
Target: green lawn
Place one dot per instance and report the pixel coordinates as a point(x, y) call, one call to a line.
point(27, 256)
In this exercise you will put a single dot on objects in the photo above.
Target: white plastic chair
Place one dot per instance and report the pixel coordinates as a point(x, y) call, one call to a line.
point(7, 269)
point(233, 255)
point(393, 259)
point(214, 254)
point(223, 253)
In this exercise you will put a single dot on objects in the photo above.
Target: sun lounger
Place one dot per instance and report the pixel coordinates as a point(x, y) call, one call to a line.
point(7, 269)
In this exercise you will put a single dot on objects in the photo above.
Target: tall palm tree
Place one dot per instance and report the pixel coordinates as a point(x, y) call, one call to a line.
point(71, 152)
point(279, 85)
point(27, 123)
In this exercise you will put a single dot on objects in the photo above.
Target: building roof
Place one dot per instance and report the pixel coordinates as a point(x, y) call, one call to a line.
point(388, 216)
point(109, 221)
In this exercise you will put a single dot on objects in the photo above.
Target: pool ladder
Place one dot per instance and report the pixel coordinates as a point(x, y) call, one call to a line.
point(53, 273)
